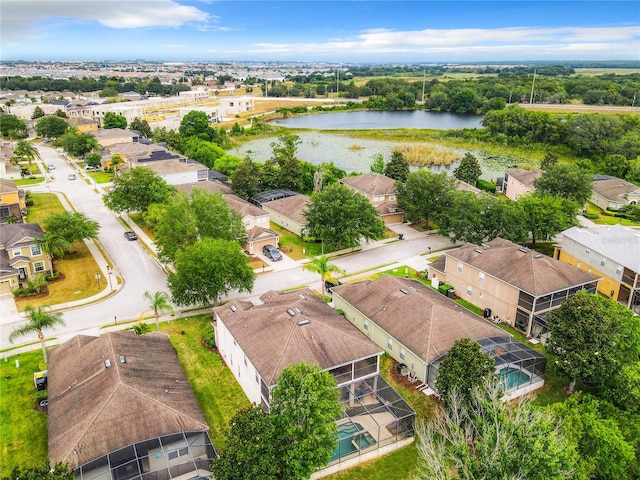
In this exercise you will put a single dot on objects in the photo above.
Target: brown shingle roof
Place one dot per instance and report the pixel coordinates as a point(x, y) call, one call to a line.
point(272, 339)
point(371, 184)
point(425, 321)
point(525, 269)
point(173, 166)
point(206, 185)
point(94, 410)
point(615, 189)
point(291, 207)
point(525, 177)
point(243, 207)
point(14, 234)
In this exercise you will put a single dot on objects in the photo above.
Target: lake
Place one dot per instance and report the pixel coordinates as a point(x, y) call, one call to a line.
point(373, 120)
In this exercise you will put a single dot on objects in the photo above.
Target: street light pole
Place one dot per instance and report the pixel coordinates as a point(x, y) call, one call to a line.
point(109, 273)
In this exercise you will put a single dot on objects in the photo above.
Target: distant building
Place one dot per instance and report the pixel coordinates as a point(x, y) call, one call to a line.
point(518, 182)
point(612, 193)
point(380, 190)
point(611, 252)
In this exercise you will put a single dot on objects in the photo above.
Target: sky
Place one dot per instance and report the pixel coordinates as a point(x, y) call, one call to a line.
point(420, 31)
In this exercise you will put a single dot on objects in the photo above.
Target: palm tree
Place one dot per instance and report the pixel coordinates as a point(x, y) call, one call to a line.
point(25, 150)
point(322, 266)
point(158, 302)
point(39, 319)
point(54, 245)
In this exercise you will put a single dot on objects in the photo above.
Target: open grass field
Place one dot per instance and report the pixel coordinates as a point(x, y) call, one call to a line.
point(23, 429)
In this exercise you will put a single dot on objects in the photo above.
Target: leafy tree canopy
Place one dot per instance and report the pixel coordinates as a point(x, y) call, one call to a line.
point(469, 169)
point(37, 113)
point(424, 194)
point(342, 217)
point(196, 124)
point(397, 167)
point(11, 124)
point(77, 143)
point(51, 126)
point(207, 270)
point(544, 216)
point(60, 471)
point(378, 164)
point(113, 120)
point(136, 189)
point(72, 226)
point(141, 126)
point(565, 181)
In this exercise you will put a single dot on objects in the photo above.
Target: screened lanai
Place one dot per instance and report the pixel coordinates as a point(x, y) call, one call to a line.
point(520, 368)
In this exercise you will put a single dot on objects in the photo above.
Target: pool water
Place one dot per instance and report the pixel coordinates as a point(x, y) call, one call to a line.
point(348, 434)
point(513, 377)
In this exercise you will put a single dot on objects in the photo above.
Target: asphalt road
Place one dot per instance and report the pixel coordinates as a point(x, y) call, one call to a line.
point(141, 272)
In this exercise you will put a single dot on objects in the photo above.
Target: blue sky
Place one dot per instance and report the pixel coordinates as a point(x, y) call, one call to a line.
point(331, 31)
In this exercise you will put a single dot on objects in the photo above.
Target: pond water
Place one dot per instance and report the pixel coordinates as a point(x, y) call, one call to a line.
point(356, 154)
point(372, 120)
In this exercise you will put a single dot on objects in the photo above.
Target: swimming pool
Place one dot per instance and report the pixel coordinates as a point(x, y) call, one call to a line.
point(513, 377)
point(350, 440)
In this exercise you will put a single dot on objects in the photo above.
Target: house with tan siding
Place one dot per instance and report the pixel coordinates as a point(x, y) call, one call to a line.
point(380, 190)
point(613, 193)
point(20, 256)
point(13, 200)
point(514, 284)
point(518, 182)
point(288, 212)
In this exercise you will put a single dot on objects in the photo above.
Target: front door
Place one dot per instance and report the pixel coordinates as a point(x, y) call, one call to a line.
point(22, 273)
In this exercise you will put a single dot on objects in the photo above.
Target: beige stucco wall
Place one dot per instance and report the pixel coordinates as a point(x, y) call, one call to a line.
point(516, 189)
point(285, 222)
point(500, 297)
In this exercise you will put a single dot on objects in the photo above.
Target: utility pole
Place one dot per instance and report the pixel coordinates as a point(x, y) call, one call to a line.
point(533, 86)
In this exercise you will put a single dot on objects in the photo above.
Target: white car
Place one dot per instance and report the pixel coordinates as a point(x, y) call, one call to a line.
point(71, 176)
point(51, 166)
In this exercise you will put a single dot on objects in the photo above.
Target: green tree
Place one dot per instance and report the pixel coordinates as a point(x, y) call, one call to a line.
point(25, 150)
point(464, 369)
point(548, 160)
point(544, 216)
point(196, 124)
point(245, 181)
point(141, 126)
point(284, 155)
point(77, 143)
point(469, 170)
point(322, 266)
point(159, 303)
point(60, 113)
point(51, 126)
point(203, 151)
point(93, 159)
point(136, 189)
point(71, 226)
point(60, 471)
point(565, 181)
point(37, 283)
point(37, 113)
point(604, 452)
point(38, 319)
point(53, 245)
point(187, 219)
point(207, 270)
point(424, 194)
point(11, 123)
point(227, 164)
point(397, 167)
point(488, 438)
point(305, 405)
point(593, 337)
point(378, 164)
point(113, 120)
point(250, 447)
point(342, 217)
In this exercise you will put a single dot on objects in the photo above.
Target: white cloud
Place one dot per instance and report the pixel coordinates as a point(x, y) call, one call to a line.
point(23, 19)
point(540, 43)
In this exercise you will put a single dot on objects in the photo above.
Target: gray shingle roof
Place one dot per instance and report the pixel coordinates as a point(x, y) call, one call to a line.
point(291, 207)
point(525, 177)
point(371, 184)
point(14, 234)
point(615, 189)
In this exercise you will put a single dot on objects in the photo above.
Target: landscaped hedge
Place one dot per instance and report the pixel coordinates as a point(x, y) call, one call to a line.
point(443, 289)
point(486, 186)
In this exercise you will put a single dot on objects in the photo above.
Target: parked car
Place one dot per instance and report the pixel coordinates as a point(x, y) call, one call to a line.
point(271, 252)
point(89, 167)
point(71, 176)
point(51, 166)
point(131, 236)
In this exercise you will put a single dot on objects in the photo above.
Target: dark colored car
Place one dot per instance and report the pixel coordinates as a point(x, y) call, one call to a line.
point(329, 284)
point(271, 252)
point(130, 236)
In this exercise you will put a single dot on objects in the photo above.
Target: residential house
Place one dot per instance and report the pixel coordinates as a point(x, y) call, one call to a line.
point(178, 171)
point(20, 256)
point(612, 193)
point(9, 171)
point(610, 252)
point(380, 190)
point(111, 136)
point(132, 154)
point(518, 182)
point(83, 124)
point(512, 283)
point(13, 201)
point(258, 339)
point(121, 407)
point(286, 211)
point(417, 326)
point(255, 220)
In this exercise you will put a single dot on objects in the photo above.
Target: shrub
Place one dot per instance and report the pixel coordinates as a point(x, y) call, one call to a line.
point(590, 216)
point(41, 395)
point(486, 186)
point(443, 289)
point(209, 338)
point(24, 292)
point(141, 328)
point(339, 311)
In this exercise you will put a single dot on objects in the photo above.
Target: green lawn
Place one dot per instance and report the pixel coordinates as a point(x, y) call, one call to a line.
point(44, 204)
point(297, 248)
point(215, 387)
point(29, 181)
point(607, 219)
point(23, 429)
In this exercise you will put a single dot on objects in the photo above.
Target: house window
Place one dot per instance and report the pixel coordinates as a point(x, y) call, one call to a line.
point(390, 343)
point(481, 277)
point(392, 198)
point(619, 270)
point(35, 250)
point(480, 294)
point(469, 290)
point(247, 223)
point(603, 262)
point(587, 251)
point(257, 377)
point(460, 266)
point(17, 252)
point(378, 198)
point(38, 266)
point(366, 325)
point(4, 211)
point(402, 354)
point(245, 360)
